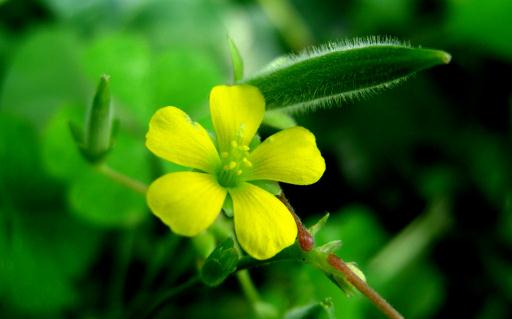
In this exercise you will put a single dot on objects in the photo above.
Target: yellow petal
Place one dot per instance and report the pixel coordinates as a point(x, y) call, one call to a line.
point(237, 112)
point(173, 136)
point(188, 202)
point(289, 156)
point(263, 225)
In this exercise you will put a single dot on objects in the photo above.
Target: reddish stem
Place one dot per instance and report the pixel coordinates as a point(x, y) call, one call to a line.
point(306, 241)
point(363, 287)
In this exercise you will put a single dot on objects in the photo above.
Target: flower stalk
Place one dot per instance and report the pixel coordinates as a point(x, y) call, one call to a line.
point(122, 179)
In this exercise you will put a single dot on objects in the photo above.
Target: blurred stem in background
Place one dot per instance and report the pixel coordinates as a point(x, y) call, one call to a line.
point(288, 22)
point(120, 270)
point(410, 243)
point(163, 300)
point(248, 286)
point(261, 309)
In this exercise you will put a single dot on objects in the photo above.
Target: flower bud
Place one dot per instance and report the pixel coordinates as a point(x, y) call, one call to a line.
point(99, 123)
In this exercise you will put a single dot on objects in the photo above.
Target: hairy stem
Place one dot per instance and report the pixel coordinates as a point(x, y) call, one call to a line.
point(305, 239)
point(363, 287)
point(318, 259)
point(122, 179)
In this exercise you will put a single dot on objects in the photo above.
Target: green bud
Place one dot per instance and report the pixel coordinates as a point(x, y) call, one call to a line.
point(99, 123)
point(220, 264)
point(97, 139)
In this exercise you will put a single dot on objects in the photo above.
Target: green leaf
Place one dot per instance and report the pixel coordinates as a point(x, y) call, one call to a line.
point(22, 179)
point(42, 256)
point(334, 73)
point(96, 198)
point(61, 157)
point(220, 264)
point(127, 59)
point(236, 61)
point(184, 77)
point(44, 74)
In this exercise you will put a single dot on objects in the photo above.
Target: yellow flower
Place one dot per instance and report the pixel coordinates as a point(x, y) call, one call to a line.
point(189, 202)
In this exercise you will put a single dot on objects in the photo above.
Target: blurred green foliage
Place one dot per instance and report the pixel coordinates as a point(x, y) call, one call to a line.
point(75, 244)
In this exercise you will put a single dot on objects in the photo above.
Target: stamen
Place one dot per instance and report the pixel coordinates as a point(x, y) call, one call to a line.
point(235, 162)
point(247, 162)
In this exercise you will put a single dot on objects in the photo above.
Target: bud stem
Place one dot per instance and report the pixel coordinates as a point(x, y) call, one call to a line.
point(122, 179)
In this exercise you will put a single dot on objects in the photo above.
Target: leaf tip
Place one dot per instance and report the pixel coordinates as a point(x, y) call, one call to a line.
point(445, 57)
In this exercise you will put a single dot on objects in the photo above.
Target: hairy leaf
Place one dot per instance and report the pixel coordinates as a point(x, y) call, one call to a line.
point(337, 72)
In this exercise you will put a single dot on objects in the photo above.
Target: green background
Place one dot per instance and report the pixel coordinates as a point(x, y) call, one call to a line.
point(417, 181)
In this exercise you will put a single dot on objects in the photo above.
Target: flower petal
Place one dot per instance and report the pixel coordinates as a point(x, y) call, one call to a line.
point(188, 202)
point(237, 112)
point(263, 225)
point(289, 156)
point(173, 136)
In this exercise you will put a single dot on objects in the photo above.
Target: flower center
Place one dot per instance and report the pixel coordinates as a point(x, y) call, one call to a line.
point(234, 164)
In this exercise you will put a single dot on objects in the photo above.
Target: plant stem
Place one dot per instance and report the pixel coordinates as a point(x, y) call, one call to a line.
point(317, 258)
point(125, 249)
point(363, 287)
point(411, 243)
point(306, 241)
point(248, 286)
point(122, 179)
point(161, 302)
point(288, 22)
